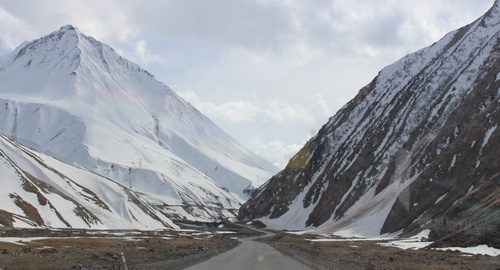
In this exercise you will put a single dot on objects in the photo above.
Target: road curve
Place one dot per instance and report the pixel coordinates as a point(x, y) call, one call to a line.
point(250, 255)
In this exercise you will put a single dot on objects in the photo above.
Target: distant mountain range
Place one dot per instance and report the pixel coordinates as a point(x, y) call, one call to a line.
point(89, 139)
point(418, 147)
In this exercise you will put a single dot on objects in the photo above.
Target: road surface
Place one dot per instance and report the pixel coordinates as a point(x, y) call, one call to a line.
point(250, 255)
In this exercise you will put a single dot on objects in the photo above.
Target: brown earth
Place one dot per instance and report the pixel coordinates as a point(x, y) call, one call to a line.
point(77, 249)
point(369, 255)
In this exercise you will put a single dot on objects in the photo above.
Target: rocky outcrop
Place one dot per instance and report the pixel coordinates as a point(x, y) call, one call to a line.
point(416, 145)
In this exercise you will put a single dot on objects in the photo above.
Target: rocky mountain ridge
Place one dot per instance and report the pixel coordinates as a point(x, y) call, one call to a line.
point(416, 148)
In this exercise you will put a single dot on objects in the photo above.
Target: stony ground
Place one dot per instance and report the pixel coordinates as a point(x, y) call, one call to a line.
point(173, 250)
point(100, 250)
point(370, 255)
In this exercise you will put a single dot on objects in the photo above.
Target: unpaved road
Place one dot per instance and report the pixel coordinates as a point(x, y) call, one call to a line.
point(251, 255)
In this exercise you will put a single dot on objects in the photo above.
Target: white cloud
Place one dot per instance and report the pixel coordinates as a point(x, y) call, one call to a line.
point(322, 108)
point(144, 55)
point(268, 111)
point(279, 111)
point(230, 112)
point(11, 39)
point(277, 151)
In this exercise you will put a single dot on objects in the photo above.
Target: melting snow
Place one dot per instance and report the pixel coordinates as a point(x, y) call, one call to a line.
point(441, 198)
point(481, 249)
point(419, 241)
point(414, 242)
point(453, 161)
point(487, 136)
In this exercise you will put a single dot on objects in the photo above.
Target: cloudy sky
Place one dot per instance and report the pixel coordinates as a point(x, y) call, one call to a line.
point(268, 72)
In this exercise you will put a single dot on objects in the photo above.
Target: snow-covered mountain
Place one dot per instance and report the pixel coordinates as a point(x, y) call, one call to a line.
point(417, 147)
point(73, 98)
point(38, 190)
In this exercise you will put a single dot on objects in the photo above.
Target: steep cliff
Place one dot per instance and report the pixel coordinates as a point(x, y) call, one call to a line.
point(417, 147)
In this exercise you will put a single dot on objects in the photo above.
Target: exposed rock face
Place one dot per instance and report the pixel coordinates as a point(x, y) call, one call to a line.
point(418, 145)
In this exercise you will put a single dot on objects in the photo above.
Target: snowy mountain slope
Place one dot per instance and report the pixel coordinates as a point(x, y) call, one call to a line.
point(38, 190)
point(408, 147)
point(73, 98)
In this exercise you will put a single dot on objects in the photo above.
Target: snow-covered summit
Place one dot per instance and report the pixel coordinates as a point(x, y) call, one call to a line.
point(69, 52)
point(74, 98)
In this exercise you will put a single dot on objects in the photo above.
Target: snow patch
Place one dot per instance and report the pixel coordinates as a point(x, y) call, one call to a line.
point(441, 198)
point(481, 249)
point(452, 163)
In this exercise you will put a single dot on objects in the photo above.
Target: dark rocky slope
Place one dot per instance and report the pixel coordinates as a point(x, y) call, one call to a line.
point(418, 146)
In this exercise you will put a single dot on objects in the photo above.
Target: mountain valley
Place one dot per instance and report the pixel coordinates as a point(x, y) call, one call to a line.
point(103, 166)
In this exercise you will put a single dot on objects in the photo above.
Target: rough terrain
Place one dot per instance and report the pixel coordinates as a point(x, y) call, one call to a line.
point(369, 255)
point(76, 249)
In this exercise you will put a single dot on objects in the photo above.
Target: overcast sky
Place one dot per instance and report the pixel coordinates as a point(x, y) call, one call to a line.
point(268, 72)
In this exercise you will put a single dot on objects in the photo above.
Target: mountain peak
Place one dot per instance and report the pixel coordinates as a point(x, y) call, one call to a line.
point(58, 35)
point(66, 54)
point(74, 98)
point(492, 17)
point(118, 105)
point(59, 42)
point(68, 27)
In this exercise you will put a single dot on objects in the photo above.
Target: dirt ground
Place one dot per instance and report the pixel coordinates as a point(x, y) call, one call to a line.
point(88, 250)
point(176, 250)
point(370, 255)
